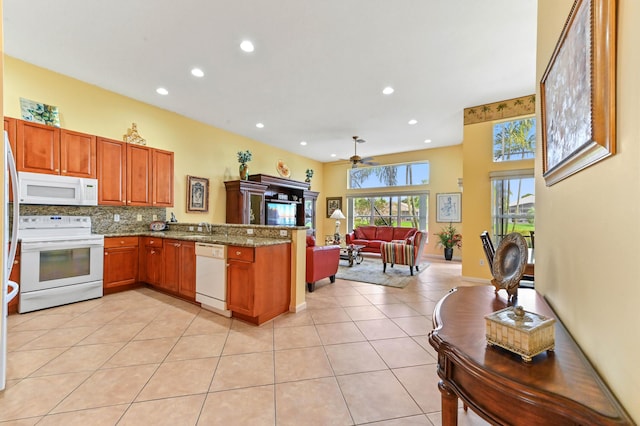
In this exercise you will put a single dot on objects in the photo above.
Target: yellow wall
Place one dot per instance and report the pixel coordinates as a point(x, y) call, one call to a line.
point(445, 166)
point(587, 238)
point(201, 150)
point(476, 212)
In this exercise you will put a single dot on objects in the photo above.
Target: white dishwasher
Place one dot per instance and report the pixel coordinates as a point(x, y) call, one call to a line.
point(211, 277)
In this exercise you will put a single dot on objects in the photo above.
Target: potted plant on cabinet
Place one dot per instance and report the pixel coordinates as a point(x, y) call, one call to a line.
point(243, 158)
point(449, 238)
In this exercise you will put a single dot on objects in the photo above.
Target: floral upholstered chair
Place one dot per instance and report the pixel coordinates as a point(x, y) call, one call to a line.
point(405, 252)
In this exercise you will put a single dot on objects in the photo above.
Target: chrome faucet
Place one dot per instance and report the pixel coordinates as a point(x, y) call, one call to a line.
point(206, 226)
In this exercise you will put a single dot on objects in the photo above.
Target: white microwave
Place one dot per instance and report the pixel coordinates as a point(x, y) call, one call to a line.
point(38, 188)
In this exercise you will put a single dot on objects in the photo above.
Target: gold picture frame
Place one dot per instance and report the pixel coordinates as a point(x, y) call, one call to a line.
point(578, 92)
point(197, 194)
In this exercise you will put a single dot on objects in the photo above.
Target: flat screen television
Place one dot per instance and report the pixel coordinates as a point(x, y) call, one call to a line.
point(281, 214)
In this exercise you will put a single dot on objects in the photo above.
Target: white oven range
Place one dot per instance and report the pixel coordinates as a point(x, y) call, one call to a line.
point(61, 261)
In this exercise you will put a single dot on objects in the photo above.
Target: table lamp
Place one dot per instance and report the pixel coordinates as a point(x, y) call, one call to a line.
point(337, 214)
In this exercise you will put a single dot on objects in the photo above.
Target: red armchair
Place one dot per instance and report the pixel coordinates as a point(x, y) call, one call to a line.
point(322, 262)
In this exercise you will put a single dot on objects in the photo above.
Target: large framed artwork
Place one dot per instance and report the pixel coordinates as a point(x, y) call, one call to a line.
point(448, 207)
point(578, 92)
point(197, 194)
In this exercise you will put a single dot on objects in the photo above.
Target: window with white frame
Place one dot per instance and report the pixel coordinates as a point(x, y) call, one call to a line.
point(394, 209)
point(514, 140)
point(405, 174)
point(513, 204)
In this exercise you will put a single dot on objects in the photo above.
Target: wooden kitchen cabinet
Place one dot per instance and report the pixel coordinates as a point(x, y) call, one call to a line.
point(258, 281)
point(139, 168)
point(52, 150)
point(121, 260)
point(180, 267)
point(77, 154)
point(134, 175)
point(162, 178)
point(112, 172)
point(151, 261)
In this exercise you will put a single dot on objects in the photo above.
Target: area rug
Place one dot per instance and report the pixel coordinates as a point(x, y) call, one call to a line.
point(370, 271)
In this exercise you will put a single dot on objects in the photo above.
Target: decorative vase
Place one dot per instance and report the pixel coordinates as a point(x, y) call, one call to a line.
point(244, 171)
point(448, 253)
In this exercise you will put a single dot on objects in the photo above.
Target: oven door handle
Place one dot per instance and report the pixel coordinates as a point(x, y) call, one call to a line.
point(59, 245)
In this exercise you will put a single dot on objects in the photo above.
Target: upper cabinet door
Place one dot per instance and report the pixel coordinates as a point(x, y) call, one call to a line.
point(162, 178)
point(77, 154)
point(38, 148)
point(112, 172)
point(138, 175)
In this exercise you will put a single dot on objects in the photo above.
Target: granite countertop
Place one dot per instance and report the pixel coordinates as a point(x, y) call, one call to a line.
point(229, 240)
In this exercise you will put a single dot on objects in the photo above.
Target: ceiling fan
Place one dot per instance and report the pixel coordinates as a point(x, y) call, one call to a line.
point(355, 159)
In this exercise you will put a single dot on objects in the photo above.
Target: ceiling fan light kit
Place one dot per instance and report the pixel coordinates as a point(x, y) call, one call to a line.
point(355, 159)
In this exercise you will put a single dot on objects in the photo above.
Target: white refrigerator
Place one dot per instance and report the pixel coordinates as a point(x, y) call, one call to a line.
point(9, 288)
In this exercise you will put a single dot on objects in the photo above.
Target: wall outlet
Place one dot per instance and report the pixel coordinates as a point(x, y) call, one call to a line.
point(155, 217)
point(199, 228)
point(191, 228)
point(116, 217)
point(139, 218)
point(283, 233)
point(249, 231)
point(481, 262)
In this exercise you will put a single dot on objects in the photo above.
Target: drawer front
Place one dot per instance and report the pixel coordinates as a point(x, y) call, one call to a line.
point(152, 242)
point(240, 253)
point(113, 242)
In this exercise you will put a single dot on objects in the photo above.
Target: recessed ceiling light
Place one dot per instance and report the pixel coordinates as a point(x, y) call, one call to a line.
point(259, 125)
point(303, 143)
point(197, 72)
point(412, 122)
point(333, 155)
point(427, 141)
point(246, 46)
point(162, 91)
point(387, 90)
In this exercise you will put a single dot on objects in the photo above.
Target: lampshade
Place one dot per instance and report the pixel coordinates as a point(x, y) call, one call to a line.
point(337, 214)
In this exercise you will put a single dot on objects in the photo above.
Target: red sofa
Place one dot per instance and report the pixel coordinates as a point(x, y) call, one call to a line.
point(372, 237)
point(322, 262)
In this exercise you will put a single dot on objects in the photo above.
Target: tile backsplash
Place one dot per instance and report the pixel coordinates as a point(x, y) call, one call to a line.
point(102, 217)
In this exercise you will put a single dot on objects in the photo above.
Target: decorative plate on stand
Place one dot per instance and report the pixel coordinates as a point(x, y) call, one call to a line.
point(283, 169)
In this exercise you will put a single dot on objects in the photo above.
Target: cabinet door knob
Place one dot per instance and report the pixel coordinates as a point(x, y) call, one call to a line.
point(238, 253)
point(15, 262)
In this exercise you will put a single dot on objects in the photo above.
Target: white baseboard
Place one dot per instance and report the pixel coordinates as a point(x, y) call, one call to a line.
point(300, 307)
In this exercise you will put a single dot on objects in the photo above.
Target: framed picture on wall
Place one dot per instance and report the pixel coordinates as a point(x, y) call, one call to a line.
point(578, 92)
point(333, 203)
point(448, 207)
point(197, 194)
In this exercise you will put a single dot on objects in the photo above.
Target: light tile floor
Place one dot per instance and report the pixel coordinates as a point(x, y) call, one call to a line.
point(359, 354)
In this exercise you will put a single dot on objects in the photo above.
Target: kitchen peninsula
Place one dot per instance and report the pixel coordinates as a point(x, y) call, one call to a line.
point(258, 262)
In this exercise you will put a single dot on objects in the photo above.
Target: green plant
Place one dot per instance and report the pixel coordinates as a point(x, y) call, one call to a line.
point(309, 173)
point(244, 157)
point(449, 237)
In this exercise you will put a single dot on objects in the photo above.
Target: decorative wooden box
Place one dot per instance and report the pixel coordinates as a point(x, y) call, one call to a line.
point(519, 331)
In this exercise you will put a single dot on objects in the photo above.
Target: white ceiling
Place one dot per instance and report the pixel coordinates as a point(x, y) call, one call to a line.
point(318, 68)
